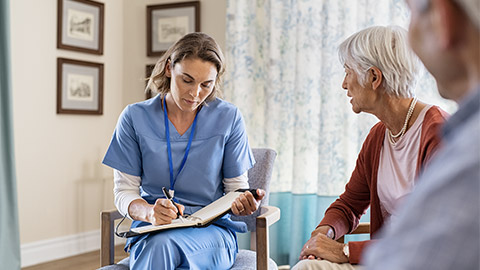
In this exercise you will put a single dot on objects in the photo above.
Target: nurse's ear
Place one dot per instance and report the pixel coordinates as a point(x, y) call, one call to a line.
point(168, 69)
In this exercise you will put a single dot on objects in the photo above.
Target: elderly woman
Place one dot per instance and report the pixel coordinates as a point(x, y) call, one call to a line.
point(380, 75)
point(191, 142)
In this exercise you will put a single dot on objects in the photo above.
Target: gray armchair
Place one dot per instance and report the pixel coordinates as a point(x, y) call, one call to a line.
point(258, 223)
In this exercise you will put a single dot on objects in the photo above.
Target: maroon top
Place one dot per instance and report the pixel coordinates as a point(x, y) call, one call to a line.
point(344, 214)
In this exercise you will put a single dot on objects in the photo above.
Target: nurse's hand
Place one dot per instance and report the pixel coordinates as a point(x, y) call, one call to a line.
point(163, 212)
point(246, 204)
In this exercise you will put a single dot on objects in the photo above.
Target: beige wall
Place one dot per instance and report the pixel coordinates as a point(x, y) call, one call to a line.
point(62, 185)
point(212, 22)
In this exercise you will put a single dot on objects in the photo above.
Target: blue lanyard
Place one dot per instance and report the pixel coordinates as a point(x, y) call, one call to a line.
point(169, 148)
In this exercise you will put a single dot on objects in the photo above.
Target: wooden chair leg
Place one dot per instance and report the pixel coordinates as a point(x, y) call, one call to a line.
point(106, 257)
point(107, 248)
point(262, 245)
point(269, 216)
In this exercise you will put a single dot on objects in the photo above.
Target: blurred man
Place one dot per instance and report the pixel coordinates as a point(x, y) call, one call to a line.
point(439, 225)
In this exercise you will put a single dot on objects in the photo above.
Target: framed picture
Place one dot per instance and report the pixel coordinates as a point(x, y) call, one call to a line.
point(148, 72)
point(168, 22)
point(79, 87)
point(80, 26)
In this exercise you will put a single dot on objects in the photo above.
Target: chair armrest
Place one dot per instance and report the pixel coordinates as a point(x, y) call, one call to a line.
point(268, 216)
point(363, 227)
point(107, 250)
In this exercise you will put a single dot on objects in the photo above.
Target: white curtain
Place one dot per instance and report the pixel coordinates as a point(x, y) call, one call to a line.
point(284, 75)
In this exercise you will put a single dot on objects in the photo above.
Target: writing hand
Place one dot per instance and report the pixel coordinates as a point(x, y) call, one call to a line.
point(163, 212)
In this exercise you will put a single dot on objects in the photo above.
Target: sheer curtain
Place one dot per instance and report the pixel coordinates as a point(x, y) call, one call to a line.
point(284, 75)
point(9, 235)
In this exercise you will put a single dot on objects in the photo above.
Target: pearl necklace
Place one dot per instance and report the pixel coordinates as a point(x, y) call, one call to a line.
point(404, 128)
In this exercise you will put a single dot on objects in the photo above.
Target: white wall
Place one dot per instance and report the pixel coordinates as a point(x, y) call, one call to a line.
point(62, 185)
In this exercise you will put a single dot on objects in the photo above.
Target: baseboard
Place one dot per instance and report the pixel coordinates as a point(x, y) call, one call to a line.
point(59, 248)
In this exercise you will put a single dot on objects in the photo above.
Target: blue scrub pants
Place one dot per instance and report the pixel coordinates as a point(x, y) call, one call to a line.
point(212, 247)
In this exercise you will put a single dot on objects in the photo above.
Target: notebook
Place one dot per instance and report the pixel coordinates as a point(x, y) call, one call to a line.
point(201, 218)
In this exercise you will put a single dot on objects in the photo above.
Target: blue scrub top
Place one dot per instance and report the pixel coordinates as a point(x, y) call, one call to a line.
point(219, 150)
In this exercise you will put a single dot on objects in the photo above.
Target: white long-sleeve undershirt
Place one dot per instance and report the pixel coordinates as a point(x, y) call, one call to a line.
point(126, 188)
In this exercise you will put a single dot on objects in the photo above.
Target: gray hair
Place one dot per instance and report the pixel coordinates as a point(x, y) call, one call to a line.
point(384, 47)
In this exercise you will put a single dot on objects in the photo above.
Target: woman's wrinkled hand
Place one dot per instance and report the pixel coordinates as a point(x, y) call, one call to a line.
point(246, 203)
point(321, 247)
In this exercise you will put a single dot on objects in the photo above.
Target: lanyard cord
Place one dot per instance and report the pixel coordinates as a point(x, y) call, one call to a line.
point(169, 148)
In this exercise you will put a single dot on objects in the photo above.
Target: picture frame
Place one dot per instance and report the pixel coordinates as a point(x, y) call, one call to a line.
point(148, 71)
point(80, 26)
point(166, 23)
point(79, 87)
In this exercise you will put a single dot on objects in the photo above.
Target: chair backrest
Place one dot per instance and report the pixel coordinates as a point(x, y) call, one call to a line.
point(259, 177)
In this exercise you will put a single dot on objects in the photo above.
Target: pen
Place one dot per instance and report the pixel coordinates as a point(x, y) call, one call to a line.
point(167, 195)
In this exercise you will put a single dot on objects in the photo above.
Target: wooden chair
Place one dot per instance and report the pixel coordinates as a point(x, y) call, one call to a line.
point(258, 223)
point(362, 228)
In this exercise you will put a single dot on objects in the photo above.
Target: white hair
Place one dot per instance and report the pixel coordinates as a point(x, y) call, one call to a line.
point(384, 47)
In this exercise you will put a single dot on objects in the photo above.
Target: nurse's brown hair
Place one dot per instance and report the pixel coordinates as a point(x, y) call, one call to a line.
point(193, 45)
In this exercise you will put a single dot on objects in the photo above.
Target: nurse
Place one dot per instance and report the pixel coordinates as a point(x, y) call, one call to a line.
point(193, 143)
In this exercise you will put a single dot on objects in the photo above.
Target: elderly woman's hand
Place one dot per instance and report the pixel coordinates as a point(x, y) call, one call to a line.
point(246, 204)
point(320, 246)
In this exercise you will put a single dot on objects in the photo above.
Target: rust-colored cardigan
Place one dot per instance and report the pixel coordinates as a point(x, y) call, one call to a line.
point(344, 214)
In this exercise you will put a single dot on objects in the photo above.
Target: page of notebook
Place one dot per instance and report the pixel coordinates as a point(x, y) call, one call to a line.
point(216, 208)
